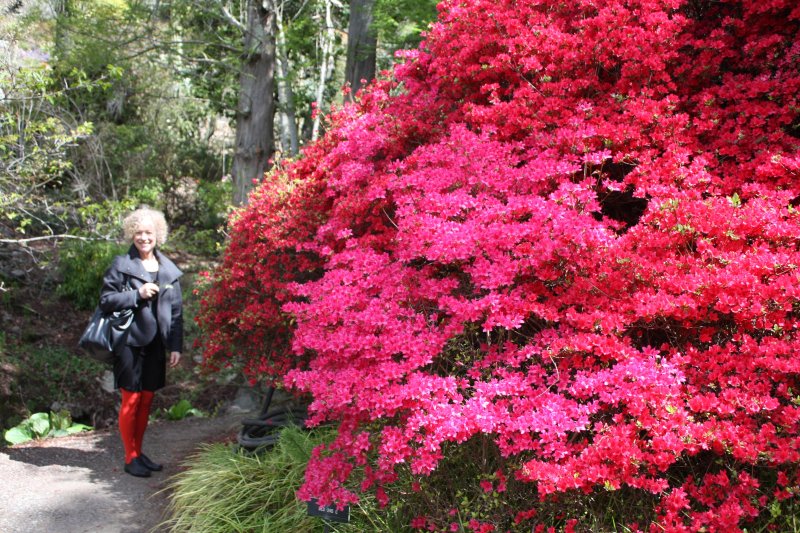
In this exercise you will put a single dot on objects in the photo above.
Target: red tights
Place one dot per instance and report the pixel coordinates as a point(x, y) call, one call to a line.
point(133, 415)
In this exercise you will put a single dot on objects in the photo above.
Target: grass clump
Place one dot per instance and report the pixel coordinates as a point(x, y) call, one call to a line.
point(224, 490)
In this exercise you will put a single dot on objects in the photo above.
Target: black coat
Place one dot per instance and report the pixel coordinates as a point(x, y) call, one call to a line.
point(115, 296)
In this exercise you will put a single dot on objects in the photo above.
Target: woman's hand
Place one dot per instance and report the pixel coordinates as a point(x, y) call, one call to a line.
point(148, 290)
point(174, 359)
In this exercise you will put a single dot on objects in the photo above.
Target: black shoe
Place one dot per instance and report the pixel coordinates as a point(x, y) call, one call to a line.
point(136, 468)
point(150, 465)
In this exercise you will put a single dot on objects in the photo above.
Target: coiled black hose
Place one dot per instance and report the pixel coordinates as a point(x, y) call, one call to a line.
point(264, 431)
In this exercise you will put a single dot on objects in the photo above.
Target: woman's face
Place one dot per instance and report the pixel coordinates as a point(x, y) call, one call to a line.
point(144, 238)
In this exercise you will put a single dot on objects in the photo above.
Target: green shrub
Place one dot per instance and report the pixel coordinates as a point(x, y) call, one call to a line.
point(82, 265)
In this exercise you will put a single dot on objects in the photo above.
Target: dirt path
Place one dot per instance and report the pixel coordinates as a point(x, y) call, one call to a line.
point(76, 484)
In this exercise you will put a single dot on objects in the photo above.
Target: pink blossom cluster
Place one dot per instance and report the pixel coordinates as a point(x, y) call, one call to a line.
point(571, 227)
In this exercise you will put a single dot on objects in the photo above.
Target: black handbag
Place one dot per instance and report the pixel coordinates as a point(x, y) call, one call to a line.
point(105, 332)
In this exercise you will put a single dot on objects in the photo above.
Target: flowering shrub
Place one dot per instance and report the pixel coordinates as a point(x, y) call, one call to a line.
point(567, 227)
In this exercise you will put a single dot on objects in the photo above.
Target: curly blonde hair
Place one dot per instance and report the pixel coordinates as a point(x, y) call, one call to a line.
point(132, 222)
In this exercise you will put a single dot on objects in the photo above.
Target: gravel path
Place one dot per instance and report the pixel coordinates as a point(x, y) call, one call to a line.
point(76, 484)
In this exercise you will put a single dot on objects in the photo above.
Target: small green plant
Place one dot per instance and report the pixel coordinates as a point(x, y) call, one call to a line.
point(181, 410)
point(43, 425)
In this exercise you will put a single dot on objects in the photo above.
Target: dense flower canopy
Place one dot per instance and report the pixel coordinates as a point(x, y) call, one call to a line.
point(569, 227)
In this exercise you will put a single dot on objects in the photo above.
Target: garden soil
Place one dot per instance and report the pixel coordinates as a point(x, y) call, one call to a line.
point(76, 484)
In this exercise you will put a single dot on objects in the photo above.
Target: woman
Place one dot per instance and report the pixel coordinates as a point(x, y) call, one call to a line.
point(147, 282)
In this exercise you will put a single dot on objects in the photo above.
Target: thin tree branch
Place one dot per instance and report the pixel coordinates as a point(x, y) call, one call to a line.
point(23, 242)
point(230, 18)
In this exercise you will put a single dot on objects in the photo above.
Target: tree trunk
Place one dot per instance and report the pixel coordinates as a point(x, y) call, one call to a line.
point(361, 44)
point(327, 42)
point(288, 128)
point(255, 137)
point(61, 44)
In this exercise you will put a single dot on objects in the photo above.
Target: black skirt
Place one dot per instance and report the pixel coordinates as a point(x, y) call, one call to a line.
point(138, 368)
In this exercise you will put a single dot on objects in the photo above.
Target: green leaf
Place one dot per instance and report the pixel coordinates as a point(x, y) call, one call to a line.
point(60, 420)
point(40, 424)
point(18, 434)
point(77, 428)
point(775, 509)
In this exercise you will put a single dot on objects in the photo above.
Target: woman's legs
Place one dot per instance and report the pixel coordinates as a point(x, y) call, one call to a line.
point(133, 415)
point(128, 415)
point(141, 368)
point(142, 417)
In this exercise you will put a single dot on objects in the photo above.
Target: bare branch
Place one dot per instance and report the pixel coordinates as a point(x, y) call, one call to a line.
point(23, 242)
point(230, 18)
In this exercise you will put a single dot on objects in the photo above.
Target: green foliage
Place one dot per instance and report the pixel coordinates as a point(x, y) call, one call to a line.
point(205, 242)
point(214, 199)
point(210, 46)
point(148, 192)
point(91, 41)
point(43, 425)
point(399, 25)
point(82, 264)
point(104, 218)
point(35, 139)
point(200, 214)
point(181, 410)
point(147, 122)
point(784, 515)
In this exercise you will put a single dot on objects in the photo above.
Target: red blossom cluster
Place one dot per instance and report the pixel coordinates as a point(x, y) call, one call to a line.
point(569, 226)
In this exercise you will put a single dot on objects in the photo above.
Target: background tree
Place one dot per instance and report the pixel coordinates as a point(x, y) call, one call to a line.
point(289, 131)
point(255, 116)
point(362, 42)
point(157, 83)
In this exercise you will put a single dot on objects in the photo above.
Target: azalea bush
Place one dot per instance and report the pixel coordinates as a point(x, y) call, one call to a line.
point(567, 230)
